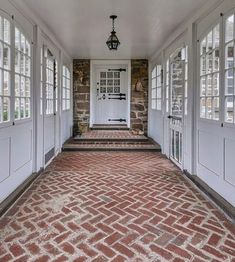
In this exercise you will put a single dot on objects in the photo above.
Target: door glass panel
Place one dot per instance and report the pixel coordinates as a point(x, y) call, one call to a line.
point(229, 70)
point(209, 74)
point(177, 97)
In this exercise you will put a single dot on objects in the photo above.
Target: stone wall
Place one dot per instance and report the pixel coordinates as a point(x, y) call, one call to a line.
point(139, 99)
point(139, 94)
point(81, 95)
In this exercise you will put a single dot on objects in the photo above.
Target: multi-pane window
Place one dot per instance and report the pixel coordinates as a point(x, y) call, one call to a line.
point(66, 89)
point(49, 84)
point(41, 81)
point(5, 70)
point(229, 69)
point(56, 86)
point(110, 82)
point(167, 84)
point(157, 87)
point(22, 76)
point(185, 58)
point(209, 74)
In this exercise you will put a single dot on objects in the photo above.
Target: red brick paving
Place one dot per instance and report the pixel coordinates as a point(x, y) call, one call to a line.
point(109, 134)
point(114, 206)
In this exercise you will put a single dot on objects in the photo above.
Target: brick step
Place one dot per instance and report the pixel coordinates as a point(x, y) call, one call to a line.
point(110, 140)
point(111, 147)
point(109, 127)
point(114, 139)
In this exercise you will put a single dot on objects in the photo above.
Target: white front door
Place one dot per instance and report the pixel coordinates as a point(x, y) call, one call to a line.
point(176, 117)
point(216, 105)
point(111, 95)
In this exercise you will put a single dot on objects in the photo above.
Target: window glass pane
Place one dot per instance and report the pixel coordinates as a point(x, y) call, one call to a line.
point(6, 86)
point(203, 65)
point(6, 109)
point(229, 82)
point(6, 55)
point(216, 60)
point(6, 28)
point(216, 37)
point(203, 86)
point(203, 46)
point(209, 108)
point(229, 109)
point(1, 38)
point(216, 108)
point(17, 108)
point(17, 62)
point(209, 45)
point(216, 84)
point(17, 85)
point(229, 55)
point(17, 39)
point(229, 30)
point(209, 86)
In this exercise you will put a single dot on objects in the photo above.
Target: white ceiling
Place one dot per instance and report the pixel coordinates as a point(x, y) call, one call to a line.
point(83, 26)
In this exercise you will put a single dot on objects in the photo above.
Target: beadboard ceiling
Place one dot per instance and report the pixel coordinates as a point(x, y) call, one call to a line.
point(83, 26)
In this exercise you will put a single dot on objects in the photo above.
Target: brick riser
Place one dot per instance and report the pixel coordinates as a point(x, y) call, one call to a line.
point(111, 145)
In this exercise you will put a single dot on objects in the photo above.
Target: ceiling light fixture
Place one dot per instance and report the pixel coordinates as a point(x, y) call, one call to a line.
point(113, 41)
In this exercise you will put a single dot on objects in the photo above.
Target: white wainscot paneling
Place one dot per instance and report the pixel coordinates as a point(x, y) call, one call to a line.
point(230, 161)
point(4, 158)
point(49, 133)
point(21, 148)
point(210, 153)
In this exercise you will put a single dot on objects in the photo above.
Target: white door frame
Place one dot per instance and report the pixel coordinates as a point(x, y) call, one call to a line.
point(93, 64)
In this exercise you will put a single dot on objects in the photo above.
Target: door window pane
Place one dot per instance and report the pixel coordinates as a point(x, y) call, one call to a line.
point(22, 77)
point(5, 69)
point(209, 71)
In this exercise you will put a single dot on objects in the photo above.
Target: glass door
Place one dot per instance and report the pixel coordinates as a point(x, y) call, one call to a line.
point(177, 96)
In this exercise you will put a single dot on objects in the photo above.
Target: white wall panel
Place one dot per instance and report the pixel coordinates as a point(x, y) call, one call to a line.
point(4, 158)
point(230, 161)
point(210, 152)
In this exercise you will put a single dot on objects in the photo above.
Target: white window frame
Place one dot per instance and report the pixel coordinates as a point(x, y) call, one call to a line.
point(156, 88)
point(6, 70)
point(227, 69)
point(66, 88)
point(205, 76)
point(23, 75)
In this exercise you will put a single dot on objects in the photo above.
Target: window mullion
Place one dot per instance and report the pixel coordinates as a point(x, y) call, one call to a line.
point(222, 96)
point(12, 74)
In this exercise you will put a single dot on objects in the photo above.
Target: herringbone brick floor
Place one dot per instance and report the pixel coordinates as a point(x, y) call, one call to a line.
point(114, 206)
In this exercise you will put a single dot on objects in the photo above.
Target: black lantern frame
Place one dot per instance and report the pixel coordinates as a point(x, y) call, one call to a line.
point(113, 41)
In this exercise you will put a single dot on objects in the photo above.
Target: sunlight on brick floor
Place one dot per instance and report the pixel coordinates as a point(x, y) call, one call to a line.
point(114, 206)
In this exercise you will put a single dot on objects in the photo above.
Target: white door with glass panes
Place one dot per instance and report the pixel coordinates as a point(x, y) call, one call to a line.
point(16, 122)
point(177, 69)
point(111, 91)
point(49, 104)
point(216, 122)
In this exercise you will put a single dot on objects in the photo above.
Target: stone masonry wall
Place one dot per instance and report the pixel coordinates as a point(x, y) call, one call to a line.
point(139, 96)
point(81, 95)
point(139, 99)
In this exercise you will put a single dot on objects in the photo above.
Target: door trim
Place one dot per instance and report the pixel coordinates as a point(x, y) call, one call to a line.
point(93, 64)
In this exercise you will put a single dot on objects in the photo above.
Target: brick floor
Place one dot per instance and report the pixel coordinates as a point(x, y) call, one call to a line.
point(115, 206)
